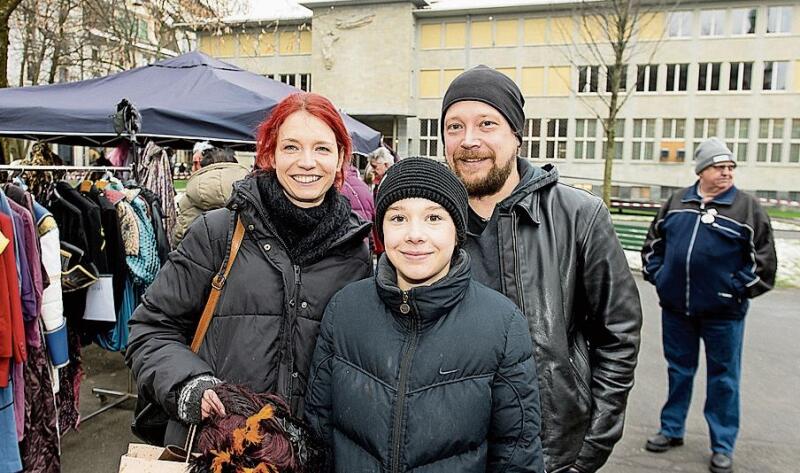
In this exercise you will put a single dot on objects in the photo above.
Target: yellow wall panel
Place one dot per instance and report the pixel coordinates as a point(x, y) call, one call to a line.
point(797, 76)
point(448, 76)
point(205, 44)
point(561, 30)
point(289, 42)
point(505, 33)
point(534, 30)
point(226, 46)
point(651, 26)
point(305, 42)
point(510, 72)
point(248, 45)
point(592, 30)
point(481, 32)
point(266, 44)
point(429, 84)
point(532, 81)
point(558, 81)
point(455, 35)
point(430, 36)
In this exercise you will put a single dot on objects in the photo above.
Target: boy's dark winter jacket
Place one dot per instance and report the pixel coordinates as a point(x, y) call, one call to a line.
point(435, 379)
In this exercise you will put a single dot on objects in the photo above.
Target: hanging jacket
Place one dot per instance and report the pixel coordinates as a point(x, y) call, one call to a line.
point(707, 259)
point(438, 378)
point(207, 189)
point(266, 322)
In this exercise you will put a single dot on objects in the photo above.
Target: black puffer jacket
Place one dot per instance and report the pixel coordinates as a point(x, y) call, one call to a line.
point(562, 263)
point(448, 387)
point(266, 322)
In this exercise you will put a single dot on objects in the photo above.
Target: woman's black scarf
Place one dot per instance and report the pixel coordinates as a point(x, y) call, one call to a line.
point(307, 233)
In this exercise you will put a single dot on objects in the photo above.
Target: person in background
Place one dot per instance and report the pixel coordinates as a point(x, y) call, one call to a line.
point(197, 153)
point(380, 160)
point(361, 201)
point(708, 252)
point(302, 244)
point(208, 188)
point(422, 368)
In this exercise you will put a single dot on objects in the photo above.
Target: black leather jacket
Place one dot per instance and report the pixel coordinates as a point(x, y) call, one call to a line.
point(561, 262)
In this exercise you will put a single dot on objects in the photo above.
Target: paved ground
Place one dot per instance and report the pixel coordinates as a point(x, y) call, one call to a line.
point(770, 394)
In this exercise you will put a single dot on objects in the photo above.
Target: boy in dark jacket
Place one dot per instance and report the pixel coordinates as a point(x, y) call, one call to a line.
point(422, 368)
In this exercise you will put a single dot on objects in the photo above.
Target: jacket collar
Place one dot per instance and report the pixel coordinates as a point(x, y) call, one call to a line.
point(246, 200)
point(429, 303)
point(692, 195)
point(526, 196)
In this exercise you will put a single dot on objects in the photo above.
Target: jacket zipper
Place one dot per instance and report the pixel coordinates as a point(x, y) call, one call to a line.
point(284, 332)
point(405, 367)
point(288, 329)
point(517, 274)
point(689, 258)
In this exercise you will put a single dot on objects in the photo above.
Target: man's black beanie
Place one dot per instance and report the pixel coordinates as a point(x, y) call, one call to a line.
point(426, 179)
point(484, 84)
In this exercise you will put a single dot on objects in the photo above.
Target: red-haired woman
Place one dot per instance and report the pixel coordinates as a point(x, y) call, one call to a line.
point(302, 244)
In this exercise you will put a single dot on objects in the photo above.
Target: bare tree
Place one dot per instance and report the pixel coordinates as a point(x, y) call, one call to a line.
point(616, 34)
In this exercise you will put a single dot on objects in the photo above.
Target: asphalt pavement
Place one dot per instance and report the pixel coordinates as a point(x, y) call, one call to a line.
point(768, 439)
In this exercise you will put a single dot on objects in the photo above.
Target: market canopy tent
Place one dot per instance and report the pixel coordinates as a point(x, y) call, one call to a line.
point(182, 100)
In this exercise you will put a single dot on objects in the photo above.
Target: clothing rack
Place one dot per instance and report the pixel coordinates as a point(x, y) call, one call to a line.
point(101, 393)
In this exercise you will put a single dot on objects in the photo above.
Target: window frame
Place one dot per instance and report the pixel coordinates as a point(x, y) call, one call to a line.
point(736, 142)
point(774, 73)
point(685, 23)
point(644, 72)
point(739, 68)
point(588, 76)
point(532, 141)
point(717, 24)
point(647, 138)
point(794, 142)
point(680, 71)
point(431, 138)
point(745, 17)
point(707, 69)
point(782, 21)
point(556, 144)
point(770, 142)
point(588, 142)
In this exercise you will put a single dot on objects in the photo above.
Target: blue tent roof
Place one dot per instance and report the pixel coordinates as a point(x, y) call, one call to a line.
point(182, 100)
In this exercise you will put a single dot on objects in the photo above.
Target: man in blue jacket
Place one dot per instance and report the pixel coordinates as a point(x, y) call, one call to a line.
point(709, 250)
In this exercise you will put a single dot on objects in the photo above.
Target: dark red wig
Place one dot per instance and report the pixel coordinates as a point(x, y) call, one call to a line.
point(314, 104)
point(256, 434)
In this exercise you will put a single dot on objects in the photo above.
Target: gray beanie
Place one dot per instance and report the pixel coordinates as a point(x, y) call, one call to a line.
point(711, 152)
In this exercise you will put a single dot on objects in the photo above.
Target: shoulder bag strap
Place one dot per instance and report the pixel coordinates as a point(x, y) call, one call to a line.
point(216, 287)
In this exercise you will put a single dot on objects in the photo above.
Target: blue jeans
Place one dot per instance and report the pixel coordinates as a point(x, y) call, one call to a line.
point(722, 340)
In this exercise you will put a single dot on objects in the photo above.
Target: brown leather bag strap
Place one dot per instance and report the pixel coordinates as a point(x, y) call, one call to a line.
point(216, 287)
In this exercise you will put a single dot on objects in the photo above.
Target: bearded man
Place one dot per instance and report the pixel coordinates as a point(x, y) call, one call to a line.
point(551, 249)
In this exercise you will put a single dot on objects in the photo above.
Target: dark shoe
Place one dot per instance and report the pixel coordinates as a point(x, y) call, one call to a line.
point(661, 443)
point(721, 463)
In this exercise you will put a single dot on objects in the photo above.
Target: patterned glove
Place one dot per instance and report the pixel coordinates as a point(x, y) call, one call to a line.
point(190, 398)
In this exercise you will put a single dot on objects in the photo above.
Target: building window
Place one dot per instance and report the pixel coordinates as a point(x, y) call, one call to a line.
point(737, 137)
point(429, 137)
point(623, 79)
point(712, 22)
point(775, 75)
point(530, 138)
point(741, 73)
point(703, 128)
point(619, 138)
point(794, 147)
point(794, 196)
point(679, 24)
point(587, 79)
point(289, 79)
point(585, 138)
point(557, 138)
point(770, 140)
point(647, 78)
point(743, 21)
point(708, 77)
point(673, 141)
point(305, 82)
point(301, 81)
point(767, 194)
point(779, 20)
point(677, 75)
point(644, 139)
